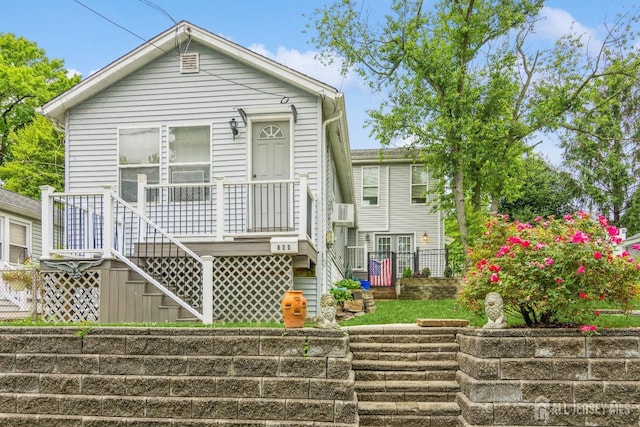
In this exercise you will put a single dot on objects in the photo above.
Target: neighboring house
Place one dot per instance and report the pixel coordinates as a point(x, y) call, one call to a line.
point(397, 228)
point(20, 239)
point(187, 147)
point(629, 242)
point(20, 231)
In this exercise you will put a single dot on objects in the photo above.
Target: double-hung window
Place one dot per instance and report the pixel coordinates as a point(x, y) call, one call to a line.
point(138, 153)
point(370, 185)
point(419, 182)
point(15, 237)
point(189, 160)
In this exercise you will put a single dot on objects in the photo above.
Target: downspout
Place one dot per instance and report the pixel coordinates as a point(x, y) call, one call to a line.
point(323, 238)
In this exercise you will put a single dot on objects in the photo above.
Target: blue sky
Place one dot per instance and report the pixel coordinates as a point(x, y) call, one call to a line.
point(274, 28)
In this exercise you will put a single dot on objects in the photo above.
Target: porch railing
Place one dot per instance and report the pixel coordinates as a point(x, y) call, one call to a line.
point(229, 209)
point(92, 225)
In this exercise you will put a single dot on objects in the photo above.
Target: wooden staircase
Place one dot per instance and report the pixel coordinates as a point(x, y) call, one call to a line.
point(151, 305)
point(405, 375)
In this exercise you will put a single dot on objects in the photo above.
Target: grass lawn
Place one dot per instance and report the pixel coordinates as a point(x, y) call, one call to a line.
point(404, 311)
point(387, 311)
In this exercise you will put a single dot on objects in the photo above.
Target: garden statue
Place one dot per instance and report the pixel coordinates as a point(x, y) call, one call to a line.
point(327, 317)
point(493, 306)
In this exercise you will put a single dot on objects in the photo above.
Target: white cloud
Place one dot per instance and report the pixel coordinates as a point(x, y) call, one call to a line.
point(307, 63)
point(556, 23)
point(73, 72)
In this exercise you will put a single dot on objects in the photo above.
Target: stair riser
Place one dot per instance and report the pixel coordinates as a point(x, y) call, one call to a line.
point(406, 376)
point(406, 397)
point(407, 421)
point(404, 348)
point(403, 339)
point(410, 357)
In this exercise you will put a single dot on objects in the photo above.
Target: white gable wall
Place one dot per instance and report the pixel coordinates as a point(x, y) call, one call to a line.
point(159, 95)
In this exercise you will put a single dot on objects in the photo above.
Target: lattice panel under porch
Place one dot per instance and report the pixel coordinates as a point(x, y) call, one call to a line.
point(181, 275)
point(71, 299)
point(250, 288)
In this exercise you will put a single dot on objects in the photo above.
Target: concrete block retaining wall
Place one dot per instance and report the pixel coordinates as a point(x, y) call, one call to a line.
point(550, 377)
point(175, 377)
point(432, 288)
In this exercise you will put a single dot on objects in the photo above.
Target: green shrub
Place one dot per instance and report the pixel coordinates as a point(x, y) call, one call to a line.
point(340, 294)
point(407, 273)
point(554, 271)
point(347, 283)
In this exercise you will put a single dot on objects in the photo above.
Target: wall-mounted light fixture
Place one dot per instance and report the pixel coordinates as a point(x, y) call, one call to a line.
point(367, 237)
point(234, 128)
point(425, 237)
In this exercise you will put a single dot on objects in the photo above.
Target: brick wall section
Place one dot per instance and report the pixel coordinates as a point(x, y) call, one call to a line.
point(193, 377)
point(550, 377)
point(433, 288)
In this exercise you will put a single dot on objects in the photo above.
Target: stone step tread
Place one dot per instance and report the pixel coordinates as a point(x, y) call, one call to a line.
point(413, 396)
point(408, 408)
point(363, 355)
point(404, 347)
point(393, 386)
point(437, 375)
point(408, 421)
point(402, 339)
point(405, 365)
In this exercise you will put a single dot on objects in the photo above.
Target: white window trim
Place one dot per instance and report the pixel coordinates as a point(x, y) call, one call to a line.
point(165, 166)
point(411, 185)
point(362, 186)
point(6, 221)
point(132, 166)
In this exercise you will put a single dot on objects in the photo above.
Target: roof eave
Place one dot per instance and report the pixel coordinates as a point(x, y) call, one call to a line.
point(162, 44)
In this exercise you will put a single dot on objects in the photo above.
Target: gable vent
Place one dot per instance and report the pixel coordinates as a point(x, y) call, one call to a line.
point(189, 63)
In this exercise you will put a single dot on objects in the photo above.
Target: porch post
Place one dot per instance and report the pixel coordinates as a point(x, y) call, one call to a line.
point(46, 212)
point(219, 208)
point(207, 289)
point(107, 240)
point(302, 203)
point(142, 194)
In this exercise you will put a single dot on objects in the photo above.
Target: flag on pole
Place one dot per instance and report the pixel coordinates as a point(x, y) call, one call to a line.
point(380, 272)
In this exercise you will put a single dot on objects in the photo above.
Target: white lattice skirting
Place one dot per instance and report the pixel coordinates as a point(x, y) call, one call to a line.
point(244, 289)
point(71, 299)
point(250, 288)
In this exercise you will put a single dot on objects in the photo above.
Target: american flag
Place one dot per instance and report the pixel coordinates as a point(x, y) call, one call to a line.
point(380, 272)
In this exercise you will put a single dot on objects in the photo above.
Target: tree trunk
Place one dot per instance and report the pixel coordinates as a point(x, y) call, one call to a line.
point(461, 214)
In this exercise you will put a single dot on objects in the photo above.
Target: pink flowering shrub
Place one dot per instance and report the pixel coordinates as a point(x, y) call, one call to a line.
point(553, 271)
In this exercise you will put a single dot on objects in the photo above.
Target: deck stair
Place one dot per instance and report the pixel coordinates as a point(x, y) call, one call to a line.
point(405, 375)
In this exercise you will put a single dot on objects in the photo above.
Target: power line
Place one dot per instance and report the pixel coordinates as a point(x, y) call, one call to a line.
point(283, 98)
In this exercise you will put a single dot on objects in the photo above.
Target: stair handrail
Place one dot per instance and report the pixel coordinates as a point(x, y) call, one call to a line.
point(107, 245)
point(206, 262)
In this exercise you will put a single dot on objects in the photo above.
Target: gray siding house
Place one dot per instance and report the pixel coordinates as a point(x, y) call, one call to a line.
point(20, 239)
point(201, 175)
point(396, 222)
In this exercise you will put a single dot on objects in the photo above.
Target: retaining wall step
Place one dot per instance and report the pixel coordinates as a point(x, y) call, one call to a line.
point(405, 365)
point(398, 396)
point(409, 408)
point(425, 347)
point(407, 421)
point(407, 386)
point(403, 339)
point(375, 375)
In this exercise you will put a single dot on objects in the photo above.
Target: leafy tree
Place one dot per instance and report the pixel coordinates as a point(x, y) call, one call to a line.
point(602, 145)
point(460, 86)
point(28, 79)
point(37, 158)
point(546, 191)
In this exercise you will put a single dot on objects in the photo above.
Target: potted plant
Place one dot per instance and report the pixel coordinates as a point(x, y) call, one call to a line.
point(21, 278)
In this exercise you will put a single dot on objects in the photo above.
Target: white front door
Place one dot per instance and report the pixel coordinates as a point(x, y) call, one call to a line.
point(271, 154)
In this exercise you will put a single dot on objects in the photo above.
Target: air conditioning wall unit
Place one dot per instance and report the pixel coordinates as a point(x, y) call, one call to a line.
point(343, 214)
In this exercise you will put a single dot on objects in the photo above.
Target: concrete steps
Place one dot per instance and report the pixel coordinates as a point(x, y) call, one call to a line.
point(405, 375)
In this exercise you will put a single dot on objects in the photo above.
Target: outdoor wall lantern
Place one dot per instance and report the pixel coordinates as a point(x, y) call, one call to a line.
point(234, 128)
point(425, 237)
point(367, 237)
